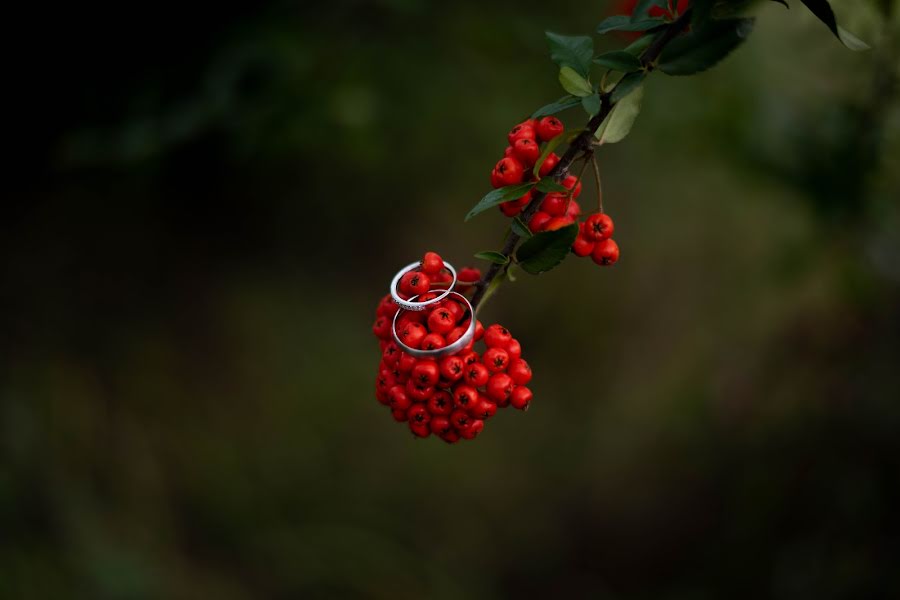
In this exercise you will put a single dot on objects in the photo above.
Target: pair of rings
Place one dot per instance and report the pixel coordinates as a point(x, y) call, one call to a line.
point(411, 305)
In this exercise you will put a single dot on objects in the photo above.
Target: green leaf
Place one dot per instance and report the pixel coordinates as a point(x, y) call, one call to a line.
point(547, 185)
point(566, 102)
point(546, 250)
point(495, 197)
point(624, 23)
point(627, 85)
point(701, 50)
point(640, 44)
point(782, 2)
point(550, 146)
point(574, 52)
point(574, 83)
point(591, 104)
point(822, 10)
point(497, 258)
point(702, 13)
point(519, 228)
point(618, 122)
point(619, 61)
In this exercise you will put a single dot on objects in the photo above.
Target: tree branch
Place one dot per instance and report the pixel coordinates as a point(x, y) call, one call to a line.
point(580, 145)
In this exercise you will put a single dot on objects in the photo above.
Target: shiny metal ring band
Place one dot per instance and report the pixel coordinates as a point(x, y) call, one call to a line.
point(453, 348)
point(417, 306)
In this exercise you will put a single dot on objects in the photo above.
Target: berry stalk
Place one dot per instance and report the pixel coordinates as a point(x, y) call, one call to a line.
point(581, 145)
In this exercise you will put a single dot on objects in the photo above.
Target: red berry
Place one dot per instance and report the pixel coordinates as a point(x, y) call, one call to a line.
point(440, 425)
point(441, 321)
point(433, 341)
point(391, 353)
point(387, 307)
point(510, 208)
point(549, 127)
point(432, 263)
point(398, 414)
point(598, 227)
point(421, 430)
point(496, 360)
point(468, 275)
point(414, 283)
point(527, 151)
point(382, 396)
point(418, 392)
point(520, 397)
point(470, 357)
point(514, 349)
point(406, 362)
point(539, 221)
point(499, 386)
point(483, 409)
point(555, 204)
point(479, 330)
point(572, 182)
point(398, 398)
point(451, 437)
point(426, 372)
point(582, 246)
point(382, 328)
point(472, 429)
point(557, 223)
point(574, 210)
point(524, 200)
point(497, 336)
point(476, 374)
point(451, 368)
point(412, 334)
point(465, 396)
point(519, 371)
point(522, 131)
point(549, 164)
point(508, 151)
point(460, 418)
point(455, 334)
point(441, 403)
point(605, 253)
point(508, 171)
point(417, 413)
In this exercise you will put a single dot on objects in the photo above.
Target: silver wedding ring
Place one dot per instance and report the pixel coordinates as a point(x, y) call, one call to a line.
point(417, 306)
point(453, 348)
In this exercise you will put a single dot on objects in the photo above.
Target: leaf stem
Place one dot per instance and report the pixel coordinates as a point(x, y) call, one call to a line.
point(599, 186)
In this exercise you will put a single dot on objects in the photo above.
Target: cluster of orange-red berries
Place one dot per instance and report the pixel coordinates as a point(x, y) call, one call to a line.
point(451, 395)
point(557, 209)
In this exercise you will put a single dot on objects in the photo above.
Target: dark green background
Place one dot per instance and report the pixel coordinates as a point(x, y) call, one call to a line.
point(203, 206)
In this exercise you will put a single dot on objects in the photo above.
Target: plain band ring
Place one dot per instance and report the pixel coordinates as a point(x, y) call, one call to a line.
point(417, 306)
point(453, 348)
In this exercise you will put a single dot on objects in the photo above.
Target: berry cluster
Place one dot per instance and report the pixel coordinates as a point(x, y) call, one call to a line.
point(557, 209)
point(451, 395)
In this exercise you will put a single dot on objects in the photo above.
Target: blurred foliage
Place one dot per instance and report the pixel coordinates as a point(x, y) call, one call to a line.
point(204, 206)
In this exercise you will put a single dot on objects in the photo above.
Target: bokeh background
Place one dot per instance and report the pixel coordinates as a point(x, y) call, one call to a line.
point(203, 206)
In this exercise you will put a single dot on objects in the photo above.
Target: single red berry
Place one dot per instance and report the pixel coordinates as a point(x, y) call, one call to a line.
point(451, 437)
point(426, 372)
point(387, 307)
point(433, 341)
point(468, 275)
point(508, 171)
point(418, 392)
point(441, 403)
point(465, 396)
point(382, 328)
point(483, 409)
point(499, 386)
point(571, 182)
point(510, 208)
point(421, 430)
point(497, 336)
point(521, 397)
point(398, 414)
point(382, 397)
point(508, 151)
point(451, 367)
point(398, 398)
point(527, 151)
point(476, 374)
point(557, 223)
point(514, 349)
point(455, 334)
point(414, 283)
point(417, 413)
point(460, 418)
point(524, 200)
point(539, 221)
point(406, 362)
point(519, 371)
point(384, 381)
point(574, 210)
point(495, 359)
point(582, 246)
point(440, 425)
point(479, 330)
point(472, 429)
point(522, 131)
point(555, 204)
point(412, 334)
point(391, 353)
point(441, 321)
point(598, 227)
point(549, 127)
point(455, 309)
point(605, 253)
point(432, 263)
point(470, 357)
point(549, 164)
